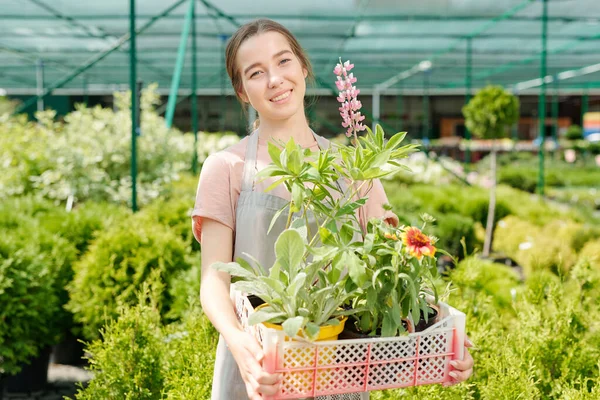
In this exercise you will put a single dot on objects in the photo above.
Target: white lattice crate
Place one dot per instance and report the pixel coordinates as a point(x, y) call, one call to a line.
point(359, 365)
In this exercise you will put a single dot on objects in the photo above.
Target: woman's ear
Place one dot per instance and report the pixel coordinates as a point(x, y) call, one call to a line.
point(242, 95)
point(305, 72)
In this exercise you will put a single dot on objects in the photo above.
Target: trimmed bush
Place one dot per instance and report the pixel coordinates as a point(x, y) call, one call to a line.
point(138, 358)
point(116, 266)
point(29, 301)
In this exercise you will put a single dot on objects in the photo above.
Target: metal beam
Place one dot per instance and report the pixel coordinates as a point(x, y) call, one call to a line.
point(325, 35)
point(88, 64)
point(513, 64)
point(561, 76)
point(185, 33)
point(542, 97)
point(134, 106)
point(194, 96)
point(88, 32)
point(391, 81)
point(40, 84)
point(221, 14)
point(468, 73)
point(392, 17)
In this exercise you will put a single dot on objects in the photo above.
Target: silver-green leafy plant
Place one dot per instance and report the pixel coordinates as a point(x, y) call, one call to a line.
point(318, 271)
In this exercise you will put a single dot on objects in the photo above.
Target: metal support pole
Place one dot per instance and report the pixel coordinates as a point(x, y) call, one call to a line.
point(132, 86)
point(251, 118)
point(376, 108)
point(85, 91)
point(179, 66)
point(40, 84)
point(585, 101)
point(555, 111)
point(400, 111)
point(469, 74)
point(425, 133)
point(96, 59)
point(194, 87)
point(542, 96)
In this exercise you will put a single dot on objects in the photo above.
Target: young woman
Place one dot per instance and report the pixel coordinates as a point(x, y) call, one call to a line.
point(268, 69)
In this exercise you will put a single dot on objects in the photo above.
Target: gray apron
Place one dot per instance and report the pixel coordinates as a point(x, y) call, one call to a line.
point(254, 213)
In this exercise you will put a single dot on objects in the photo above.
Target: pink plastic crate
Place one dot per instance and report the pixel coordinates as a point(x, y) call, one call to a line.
point(332, 369)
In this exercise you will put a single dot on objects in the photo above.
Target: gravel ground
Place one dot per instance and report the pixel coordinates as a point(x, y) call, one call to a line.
point(62, 381)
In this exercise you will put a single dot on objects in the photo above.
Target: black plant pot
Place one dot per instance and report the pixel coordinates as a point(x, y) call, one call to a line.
point(32, 378)
point(422, 325)
point(69, 351)
point(350, 331)
point(255, 301)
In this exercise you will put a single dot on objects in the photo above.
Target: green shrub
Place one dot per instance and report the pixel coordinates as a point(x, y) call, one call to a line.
point(117, 264)
point(450, 229)
point(84, 222)
point(176, 215)
point(591, 252)
point(183, 290)
point(138, 358)
point(517, 179)
point(535, 247)
point(574, 132)
point(127, 363)
point(30, 303)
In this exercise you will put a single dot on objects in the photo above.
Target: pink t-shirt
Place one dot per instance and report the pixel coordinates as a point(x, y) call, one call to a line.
point(221, 182)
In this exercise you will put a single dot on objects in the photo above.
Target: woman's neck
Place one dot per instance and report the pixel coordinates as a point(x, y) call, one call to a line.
point(282, 130)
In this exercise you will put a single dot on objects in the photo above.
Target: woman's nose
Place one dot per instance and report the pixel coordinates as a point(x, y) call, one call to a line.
point(275, 80)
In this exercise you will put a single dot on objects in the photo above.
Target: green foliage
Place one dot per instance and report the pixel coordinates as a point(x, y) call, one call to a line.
point(87, 155)
point(574, 132)
point(517, 179)
point(117, 264)
point(535, 247)
point(184, 288)
point(591, 252)
point(490, 112)
point(127, 362)
point(139, 358)
point(174, 213)
point(7, 106)
point(29, 299)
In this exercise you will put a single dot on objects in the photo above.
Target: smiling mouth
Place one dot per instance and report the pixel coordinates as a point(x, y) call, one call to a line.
point(282, 96)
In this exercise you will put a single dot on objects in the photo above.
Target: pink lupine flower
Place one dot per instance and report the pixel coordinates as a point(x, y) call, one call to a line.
point(350, 105)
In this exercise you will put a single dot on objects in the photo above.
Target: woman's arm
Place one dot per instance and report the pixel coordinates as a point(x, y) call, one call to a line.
point(217, 245)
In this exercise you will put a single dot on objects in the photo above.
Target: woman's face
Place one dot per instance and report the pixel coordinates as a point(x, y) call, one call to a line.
point(273, 80)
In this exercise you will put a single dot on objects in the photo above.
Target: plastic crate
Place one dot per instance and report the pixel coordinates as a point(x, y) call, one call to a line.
point(329, 370)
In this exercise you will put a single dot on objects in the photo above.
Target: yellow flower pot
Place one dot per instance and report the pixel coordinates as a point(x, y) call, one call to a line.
point(328, 332)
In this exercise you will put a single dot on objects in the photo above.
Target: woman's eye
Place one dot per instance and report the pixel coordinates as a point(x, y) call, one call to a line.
point(255, 73)
point(285, 60)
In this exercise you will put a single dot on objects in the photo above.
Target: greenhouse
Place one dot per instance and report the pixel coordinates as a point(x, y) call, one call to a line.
point(439, 202)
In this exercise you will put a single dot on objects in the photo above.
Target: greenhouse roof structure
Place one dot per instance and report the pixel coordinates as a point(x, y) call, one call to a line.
point(442, 46)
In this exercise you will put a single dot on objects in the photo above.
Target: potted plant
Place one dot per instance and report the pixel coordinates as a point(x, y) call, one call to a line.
point(401, 268)
point(381, 277)
point(488, 115)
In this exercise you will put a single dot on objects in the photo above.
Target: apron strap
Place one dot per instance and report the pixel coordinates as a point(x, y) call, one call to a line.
point(250, 162)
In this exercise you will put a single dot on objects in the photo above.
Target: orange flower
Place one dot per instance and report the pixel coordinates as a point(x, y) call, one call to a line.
point(391, 236)
point(417, 243)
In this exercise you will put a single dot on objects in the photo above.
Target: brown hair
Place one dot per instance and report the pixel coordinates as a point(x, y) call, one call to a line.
point(252, 29)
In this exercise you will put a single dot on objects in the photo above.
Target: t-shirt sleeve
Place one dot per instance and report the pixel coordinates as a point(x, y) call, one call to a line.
point(213, 197)
point(373, 208)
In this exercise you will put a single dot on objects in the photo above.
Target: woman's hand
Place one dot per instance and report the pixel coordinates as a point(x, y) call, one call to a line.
point(462, 369)
point(249, 356)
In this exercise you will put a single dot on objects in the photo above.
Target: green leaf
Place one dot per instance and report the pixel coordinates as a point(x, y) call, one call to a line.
point(380, 159)
point(276, 216)
point(289, 250)
point(388, 329)
point(395, 140)
point(356, 268)
point(275, 153)
point(234, 269)
point(297, 195)
point(291, 326)
point(312, 330)
point(296, 285)
point(266, 314)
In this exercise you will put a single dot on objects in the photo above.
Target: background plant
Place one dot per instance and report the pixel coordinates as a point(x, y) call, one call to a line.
point(488, 115)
